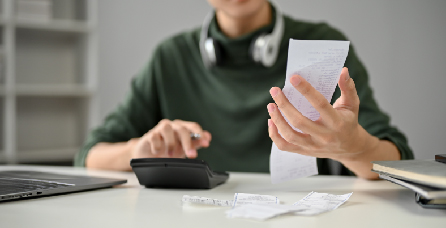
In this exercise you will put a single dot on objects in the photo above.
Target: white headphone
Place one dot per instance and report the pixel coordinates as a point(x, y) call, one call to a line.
point(264, 48)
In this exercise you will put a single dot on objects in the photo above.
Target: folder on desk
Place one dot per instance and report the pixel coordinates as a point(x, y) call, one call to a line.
point(427, 178)
point(427, 192)
point(425, 196)
point(426, 172)
point(430, 203)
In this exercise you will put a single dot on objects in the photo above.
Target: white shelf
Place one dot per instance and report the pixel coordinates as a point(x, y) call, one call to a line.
point(48, 91)
point(53, 90)
point(48, 88)
point(47, 155)
point(53, 25)
point(56, 25)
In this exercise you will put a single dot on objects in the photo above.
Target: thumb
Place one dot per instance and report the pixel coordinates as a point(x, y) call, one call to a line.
point(349, 97)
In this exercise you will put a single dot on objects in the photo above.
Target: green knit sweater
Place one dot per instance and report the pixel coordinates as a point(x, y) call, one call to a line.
point(229, 100)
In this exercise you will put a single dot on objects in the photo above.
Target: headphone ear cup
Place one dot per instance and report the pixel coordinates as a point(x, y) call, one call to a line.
point(263, 50)
point(218, 53)
point(256, 48)
point(269, 52)
point(213, 52)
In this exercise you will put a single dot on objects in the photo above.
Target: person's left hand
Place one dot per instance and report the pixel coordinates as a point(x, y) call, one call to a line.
point(336, 134)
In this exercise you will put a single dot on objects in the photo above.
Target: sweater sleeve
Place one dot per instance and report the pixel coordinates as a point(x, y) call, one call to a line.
point(132, 118)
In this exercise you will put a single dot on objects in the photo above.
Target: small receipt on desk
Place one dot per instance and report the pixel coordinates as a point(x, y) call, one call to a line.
point(316, 203)
point(239, 199)
point(246, 198)
point(206, 201)
point(261, 211)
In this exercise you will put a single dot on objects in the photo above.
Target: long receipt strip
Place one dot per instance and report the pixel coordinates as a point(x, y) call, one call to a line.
point(320, 62)
point(262, 207)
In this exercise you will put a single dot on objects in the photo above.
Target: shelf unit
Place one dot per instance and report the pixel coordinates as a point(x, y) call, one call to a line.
point(48, 77)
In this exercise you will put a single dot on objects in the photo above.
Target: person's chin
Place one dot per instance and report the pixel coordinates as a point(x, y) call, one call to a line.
point(244, 10)
point(241, 1)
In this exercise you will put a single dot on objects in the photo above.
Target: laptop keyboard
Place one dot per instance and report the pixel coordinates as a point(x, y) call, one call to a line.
point(18, 185)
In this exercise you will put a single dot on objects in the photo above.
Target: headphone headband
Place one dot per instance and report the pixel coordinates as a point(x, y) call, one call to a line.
point(206, 53)
point(265, 48)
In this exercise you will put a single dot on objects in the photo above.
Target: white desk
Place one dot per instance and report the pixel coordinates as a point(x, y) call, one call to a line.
point(373, 204)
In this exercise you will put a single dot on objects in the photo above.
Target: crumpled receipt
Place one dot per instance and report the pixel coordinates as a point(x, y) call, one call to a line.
point(316, 203)
point(260, 211)
point(263, 207)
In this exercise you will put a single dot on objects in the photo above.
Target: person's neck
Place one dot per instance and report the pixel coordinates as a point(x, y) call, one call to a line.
point(238, 26)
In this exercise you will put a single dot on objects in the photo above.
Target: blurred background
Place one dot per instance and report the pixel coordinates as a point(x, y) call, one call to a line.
point(65, 64)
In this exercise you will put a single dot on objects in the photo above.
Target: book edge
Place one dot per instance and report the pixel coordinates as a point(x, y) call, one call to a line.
point(411, 176)
point(425, 193)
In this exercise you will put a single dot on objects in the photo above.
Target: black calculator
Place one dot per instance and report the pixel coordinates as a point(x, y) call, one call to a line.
point(176, 173)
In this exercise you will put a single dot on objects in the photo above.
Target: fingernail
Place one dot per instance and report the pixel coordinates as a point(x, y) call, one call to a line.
point(271, 108)
point(270, 122)
point(204, 143)
point(347, 77)
point(295, 80)
point(191, 152)
point(274, 91)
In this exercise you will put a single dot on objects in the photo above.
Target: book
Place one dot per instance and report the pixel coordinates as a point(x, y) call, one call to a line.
point(426, 172)
point(427, 192)
point(430, 203)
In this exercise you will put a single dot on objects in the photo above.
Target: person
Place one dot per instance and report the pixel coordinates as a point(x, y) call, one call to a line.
point(218, 82)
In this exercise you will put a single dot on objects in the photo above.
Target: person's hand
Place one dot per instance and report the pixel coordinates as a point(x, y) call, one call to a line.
point(336, 134)
point(171, 139)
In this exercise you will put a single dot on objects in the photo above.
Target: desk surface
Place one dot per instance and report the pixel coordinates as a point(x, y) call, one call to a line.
point(373, 204)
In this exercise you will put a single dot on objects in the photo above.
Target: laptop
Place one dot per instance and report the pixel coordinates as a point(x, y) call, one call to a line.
point(19, 184)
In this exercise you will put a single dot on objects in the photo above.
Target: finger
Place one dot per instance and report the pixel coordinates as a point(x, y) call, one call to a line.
point(205, 139)
point(156, 144)
point(196, 128)
point(295, 118)
point(179, 153)
point(286, 131)
point(280, 142)
point(183, 135)
point(168, 135)
point(316, 99)
point(349, 96)
point(192, 126)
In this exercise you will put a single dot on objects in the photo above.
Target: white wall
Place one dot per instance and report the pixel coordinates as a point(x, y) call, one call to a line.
point(401, 42)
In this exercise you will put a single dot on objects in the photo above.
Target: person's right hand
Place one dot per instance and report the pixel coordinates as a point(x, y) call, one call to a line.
point(171, 139)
